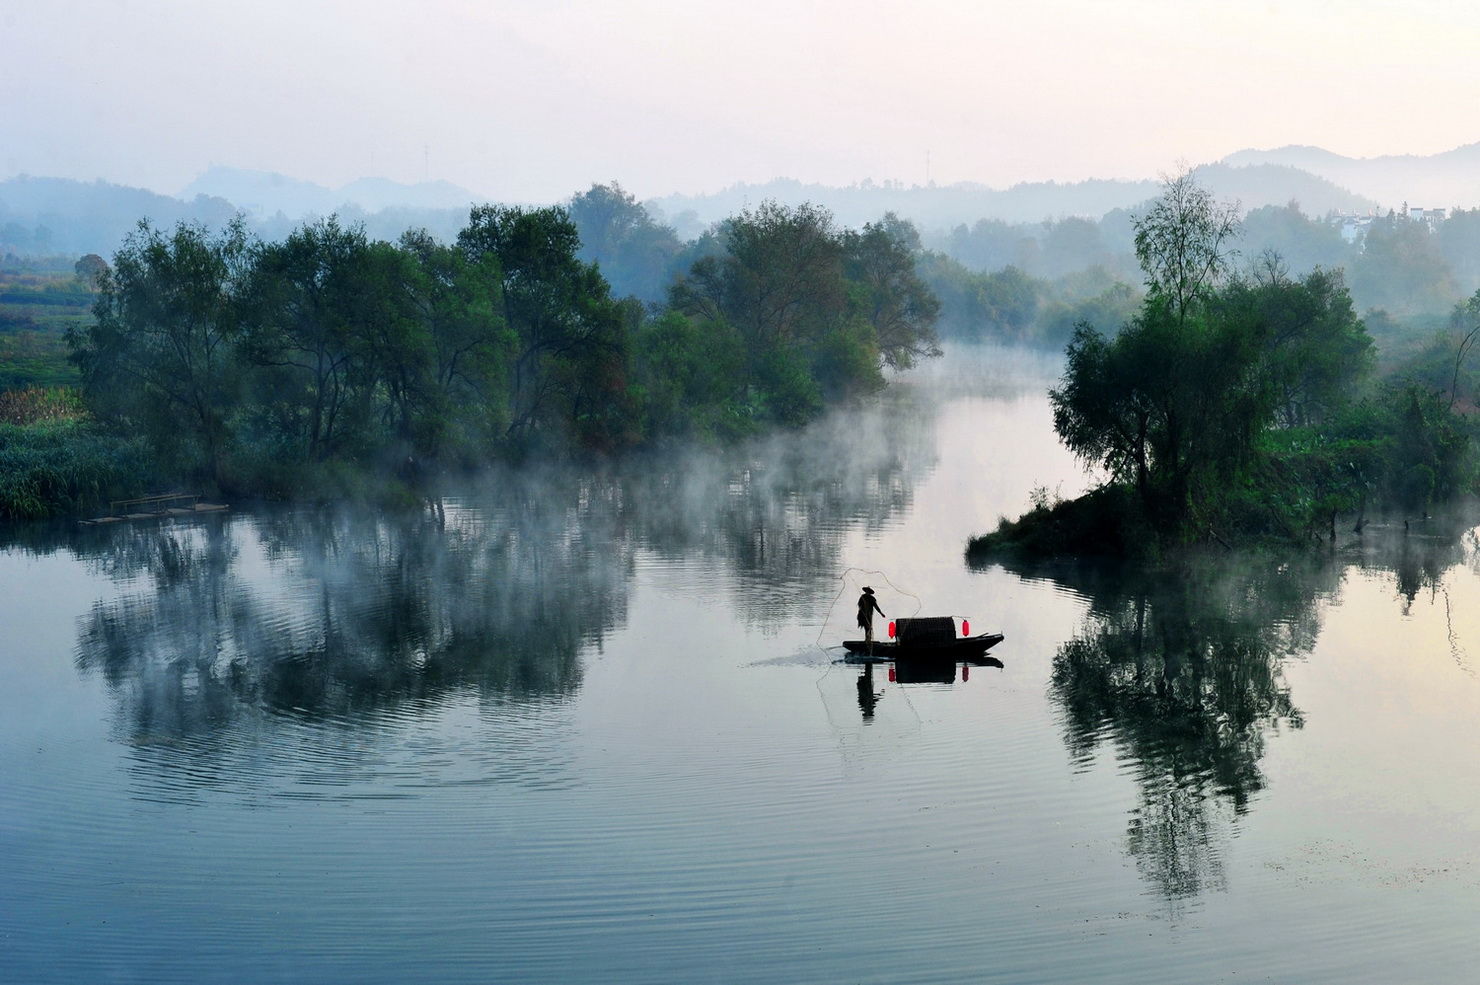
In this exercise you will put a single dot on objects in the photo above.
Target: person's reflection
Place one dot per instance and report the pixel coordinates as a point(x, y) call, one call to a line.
point(867, 696)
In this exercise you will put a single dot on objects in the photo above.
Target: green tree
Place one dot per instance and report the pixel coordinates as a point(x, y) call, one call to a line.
point(780, 280)
point(1071, 244)
point(634, 251)
point(880, 263)
point(1107, 309)
point(567, 369)
point(1401, 268)
point(464, 405)
point(1183, 242)
point(161, 356)
point(804, 306)
point(1317, 351)
point(990, 244)
point(311, 294)
point(1304, 242)
point(1181, 406)
point(1459, 244)
point(1174, 403)
point(999, 306)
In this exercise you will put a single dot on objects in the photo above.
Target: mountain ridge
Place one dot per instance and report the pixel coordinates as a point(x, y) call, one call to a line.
point(1447, 179)
point(265, 193)
point(39, 214)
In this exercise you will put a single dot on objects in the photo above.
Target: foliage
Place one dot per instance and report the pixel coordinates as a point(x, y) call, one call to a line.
point(569, 339)
point(1304, 242)
point(1172, 408)
point(160, 357)
point(36, 405)
point(1231, 406)
point(687, 378)
point(1001, 306)
point(635, 252)
point(1459, 244)
point(64, 465)
point(814, 311)
point(1315, 345)
point(1401, 267)
point(1114, 305)
point(302, 366)
point(1182, 243)
point(311, 298)
point(880, 268)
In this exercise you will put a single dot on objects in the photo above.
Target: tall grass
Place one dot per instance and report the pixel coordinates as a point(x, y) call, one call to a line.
point(40, 405)
point(67, 465)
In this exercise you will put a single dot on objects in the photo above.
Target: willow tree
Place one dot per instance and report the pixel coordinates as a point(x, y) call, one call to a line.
point(818, 311)
point(1184, 245)
point(901, 308)
point(1179, 405)
point(161, 358)
point(569, 336)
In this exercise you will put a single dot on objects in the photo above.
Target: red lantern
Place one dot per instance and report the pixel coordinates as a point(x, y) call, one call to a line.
point(891, 675)
point(965, 672)
point(891, 629)
point(965, 628)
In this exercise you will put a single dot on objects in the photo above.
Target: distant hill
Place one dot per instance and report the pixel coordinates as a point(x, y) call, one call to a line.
point(265, 193)
point(937, 208)
point(57, 216)
point(48, 216)
point(1444, 180)
point(42, 216)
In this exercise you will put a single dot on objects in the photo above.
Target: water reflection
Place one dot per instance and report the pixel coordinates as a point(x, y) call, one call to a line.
point(775, 515)
point(1420, 552)
point(1178, 673)
point(225, 627)
point(328, 617)
point(868, 698)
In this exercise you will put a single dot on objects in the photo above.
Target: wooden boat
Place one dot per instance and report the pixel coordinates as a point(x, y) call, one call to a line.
point(962, 648)
point(924, 638)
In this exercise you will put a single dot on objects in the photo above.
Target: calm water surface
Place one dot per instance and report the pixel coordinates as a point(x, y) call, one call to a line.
point(569, 729)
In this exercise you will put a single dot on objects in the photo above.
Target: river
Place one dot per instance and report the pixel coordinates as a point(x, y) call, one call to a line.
point(593, 727)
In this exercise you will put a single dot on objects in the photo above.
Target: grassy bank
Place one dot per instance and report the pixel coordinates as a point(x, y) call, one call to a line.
point(54, 460)
point(70, 466)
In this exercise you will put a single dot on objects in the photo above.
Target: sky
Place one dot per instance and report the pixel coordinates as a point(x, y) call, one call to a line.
point(534, 100)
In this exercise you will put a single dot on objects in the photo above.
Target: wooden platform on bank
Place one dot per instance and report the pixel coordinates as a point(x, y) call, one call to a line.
point(161, 507)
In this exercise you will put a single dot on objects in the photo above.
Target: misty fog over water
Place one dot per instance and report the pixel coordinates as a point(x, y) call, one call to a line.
point(576, 726)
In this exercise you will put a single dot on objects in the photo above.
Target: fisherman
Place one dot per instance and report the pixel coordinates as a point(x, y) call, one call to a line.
point(867, 606)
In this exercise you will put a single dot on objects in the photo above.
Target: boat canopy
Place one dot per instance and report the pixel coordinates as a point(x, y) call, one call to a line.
point(925, 631)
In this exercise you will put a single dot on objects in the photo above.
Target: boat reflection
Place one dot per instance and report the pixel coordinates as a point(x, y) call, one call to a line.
point(910, 671)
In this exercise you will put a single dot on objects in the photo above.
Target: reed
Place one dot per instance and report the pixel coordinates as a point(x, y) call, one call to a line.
point(67, 465)
point(40, 405)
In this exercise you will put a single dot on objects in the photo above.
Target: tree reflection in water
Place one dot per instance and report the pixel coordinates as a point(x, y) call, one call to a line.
point(776, 513)
point(1179, 672)
point(341, 618)
point(328, 617)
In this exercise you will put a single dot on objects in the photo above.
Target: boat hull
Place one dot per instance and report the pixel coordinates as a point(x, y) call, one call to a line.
point(966, 648)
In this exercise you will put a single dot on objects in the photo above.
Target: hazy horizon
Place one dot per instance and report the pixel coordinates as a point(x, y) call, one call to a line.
point(532, 101)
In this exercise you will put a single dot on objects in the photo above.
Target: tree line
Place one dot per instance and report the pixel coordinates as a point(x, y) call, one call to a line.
point(1239, 404)
point(285, 367)
point(1031, 283)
